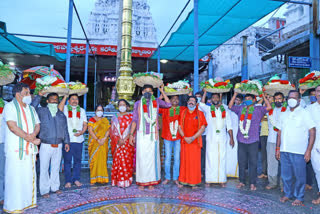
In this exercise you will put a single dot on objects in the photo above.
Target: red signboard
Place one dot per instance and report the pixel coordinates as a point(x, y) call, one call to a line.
point(108, 50)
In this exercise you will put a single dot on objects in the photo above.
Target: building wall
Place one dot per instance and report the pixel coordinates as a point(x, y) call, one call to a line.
point(104, 19)
point(297, 15)
point(227, 58)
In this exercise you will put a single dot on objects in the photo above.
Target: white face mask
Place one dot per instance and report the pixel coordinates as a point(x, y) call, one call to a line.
point(99, 113)
point(292, 103)
point(27, 100)
point(122, 109)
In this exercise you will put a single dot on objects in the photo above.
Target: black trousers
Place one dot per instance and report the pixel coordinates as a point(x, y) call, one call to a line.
point(248, 156)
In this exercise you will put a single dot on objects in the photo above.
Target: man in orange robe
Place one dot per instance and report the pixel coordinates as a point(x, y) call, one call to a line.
point(191, 126)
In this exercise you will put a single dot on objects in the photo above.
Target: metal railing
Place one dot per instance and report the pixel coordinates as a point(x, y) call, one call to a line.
point(85, 155)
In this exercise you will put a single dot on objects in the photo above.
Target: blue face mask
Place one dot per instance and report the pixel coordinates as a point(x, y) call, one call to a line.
point(313, 99)
point(248, 102)
point(191, 108)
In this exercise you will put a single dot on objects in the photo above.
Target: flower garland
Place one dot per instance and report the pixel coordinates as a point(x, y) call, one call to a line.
point(70, 116)
point(171, 111)
point(153, 118)
point(174, 128)
point(174, 124)
point(1, 105)
point(213, 114)
point(283, 109)
point(245, 131)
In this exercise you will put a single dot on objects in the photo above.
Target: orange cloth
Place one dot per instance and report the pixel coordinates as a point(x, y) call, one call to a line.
point(190, 156)
point(166, 119)
point(98, 154)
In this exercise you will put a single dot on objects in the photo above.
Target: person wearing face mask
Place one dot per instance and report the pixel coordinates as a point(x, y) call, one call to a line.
point(145, 121)
point(250, 117)
point(54, 138)
point(77, 126)
point(198, 96)
point(191, 126)
point(279, 106)
point(295, 141)
point(219, 126)
point(314, 110)
point(98, 127)
point(122, 151)
point(312, 96)
point(23, 126)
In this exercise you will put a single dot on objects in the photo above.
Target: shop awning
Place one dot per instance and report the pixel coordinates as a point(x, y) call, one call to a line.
point(13, 44)
point(219, 21)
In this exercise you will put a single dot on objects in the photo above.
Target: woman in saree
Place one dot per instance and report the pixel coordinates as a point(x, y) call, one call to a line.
point(98, 127)
point(122, 151)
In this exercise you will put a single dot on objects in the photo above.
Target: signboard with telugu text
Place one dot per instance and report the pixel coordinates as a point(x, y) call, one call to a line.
point(299, 62)
point(108, 50)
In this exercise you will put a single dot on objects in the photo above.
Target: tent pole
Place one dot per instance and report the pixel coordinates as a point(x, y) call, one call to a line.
point(196, 46)
point(244, 59)
point(159, 65)
point(210, 70)
point(314, 37)
point(67, 74)
point(86, 75)
point(95, 81)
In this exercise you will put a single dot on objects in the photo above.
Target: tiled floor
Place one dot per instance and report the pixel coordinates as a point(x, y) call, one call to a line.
point(169, 199)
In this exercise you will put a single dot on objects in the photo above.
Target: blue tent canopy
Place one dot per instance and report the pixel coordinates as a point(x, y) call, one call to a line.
point(219, 21)
point(13, 44)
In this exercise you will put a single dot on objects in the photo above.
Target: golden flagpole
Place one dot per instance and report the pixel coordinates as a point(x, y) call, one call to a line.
point(125, 85)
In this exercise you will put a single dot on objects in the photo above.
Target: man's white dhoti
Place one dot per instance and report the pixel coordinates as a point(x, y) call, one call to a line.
point(148, 168)
point(216, 144)
point(20, 170)
point(232, 153)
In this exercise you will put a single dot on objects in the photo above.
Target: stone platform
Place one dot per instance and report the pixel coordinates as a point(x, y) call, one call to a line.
point(170, 199)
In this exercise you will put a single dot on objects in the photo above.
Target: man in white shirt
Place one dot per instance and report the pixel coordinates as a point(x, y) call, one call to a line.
point(77, 126)
point(219, 126)
point(314, 110)
point(23, 126)
point(278, 107)
point(295, 140)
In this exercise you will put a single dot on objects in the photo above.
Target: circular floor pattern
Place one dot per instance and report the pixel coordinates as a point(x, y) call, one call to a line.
point(150, 205)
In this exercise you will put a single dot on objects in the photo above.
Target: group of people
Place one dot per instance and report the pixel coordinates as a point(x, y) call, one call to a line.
point(211, 141)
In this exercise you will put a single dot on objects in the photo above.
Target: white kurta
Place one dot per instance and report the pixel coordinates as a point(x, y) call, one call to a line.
point(147, 156)
point(216, 147)
point(314, 110)
point(20, 175)
point(232, 153)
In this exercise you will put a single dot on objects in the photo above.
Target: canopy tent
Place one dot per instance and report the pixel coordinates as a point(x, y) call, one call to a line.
point(13, 44)
point(219, 21)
